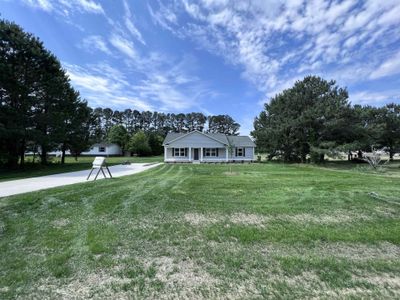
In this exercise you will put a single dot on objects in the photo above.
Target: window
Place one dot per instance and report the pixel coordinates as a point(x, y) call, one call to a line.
point(239, 152)
point(180, 152)
point(210, 152)
point(102, 149)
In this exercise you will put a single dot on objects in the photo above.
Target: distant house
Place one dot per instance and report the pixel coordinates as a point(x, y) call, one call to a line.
point(198, 146)
point(99, 149)
point(104, 149)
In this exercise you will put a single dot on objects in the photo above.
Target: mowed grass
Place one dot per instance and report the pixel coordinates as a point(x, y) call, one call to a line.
point(199, 231)
point(54, 167)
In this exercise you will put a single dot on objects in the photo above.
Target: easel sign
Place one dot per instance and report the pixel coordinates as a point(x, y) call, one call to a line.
point(99, 163)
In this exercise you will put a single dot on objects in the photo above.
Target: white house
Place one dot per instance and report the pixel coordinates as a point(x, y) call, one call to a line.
point(99, 149)
point(198, 146)
point(104, 149)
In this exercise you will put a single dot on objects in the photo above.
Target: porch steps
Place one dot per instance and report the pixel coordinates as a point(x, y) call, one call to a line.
point(197, 162)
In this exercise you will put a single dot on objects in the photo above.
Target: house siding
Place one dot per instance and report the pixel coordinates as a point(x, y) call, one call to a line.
point(200, 141)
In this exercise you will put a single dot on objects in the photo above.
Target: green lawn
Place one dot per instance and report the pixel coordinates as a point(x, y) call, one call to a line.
point(54, 166)
point(198, 231)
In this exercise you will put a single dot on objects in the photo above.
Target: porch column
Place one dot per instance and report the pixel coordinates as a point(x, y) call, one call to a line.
point(165, 153)
point(226, 154)
point(201, 154)
point(190, 153)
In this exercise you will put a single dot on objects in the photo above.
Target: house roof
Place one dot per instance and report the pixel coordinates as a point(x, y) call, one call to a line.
point(238, 141)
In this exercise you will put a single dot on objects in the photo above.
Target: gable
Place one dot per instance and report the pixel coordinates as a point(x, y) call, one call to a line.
point(196, 139)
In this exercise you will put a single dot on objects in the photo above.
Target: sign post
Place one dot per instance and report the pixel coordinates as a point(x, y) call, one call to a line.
point(99, 163)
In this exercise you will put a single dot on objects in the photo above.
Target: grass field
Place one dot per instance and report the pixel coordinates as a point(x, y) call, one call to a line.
point(199, 231)
point(71, 165)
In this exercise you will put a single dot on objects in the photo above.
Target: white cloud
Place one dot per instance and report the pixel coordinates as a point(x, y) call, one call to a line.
point(65, 7)
point(40, 4)
point(123, 45)
point(313, 36)
point(375, 98)
point(161, 84)
point(390, 67)
point(129, 24)
point(103, 85)
point(95, 42)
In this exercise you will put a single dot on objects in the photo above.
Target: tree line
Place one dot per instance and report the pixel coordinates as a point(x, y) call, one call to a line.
point(314, 118)
point(39, 109)
point(142, 133)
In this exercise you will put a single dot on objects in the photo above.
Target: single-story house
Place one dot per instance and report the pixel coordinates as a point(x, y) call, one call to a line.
point(98, 149)
point(198, 146)
point(104, 149)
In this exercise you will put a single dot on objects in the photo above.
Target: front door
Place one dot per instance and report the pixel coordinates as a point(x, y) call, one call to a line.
point(196, 154)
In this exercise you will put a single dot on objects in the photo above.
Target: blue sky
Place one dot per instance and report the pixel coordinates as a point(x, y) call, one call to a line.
point(216, 56)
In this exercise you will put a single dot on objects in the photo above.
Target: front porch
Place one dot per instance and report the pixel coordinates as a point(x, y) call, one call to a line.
point(196, 154)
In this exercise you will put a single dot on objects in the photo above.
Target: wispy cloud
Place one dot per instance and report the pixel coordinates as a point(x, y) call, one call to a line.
point(40, 4)
point(103, 85)
point(388, 67)
point(124, 45)
point(65, 7)
point(274, 41)
point(162, 87)
point(129, 23)
point(95, 43)
point(375, 98)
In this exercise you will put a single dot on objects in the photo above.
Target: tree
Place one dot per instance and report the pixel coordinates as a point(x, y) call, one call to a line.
point(155, 143)
point(388, 127)
point(79, 135)
point(223, 124)
point(309, 119)
point(20, 71)
point(139, 144)
point(38, 104)
point(118, 135)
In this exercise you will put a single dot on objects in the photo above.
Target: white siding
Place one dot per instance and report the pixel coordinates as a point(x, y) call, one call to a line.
point(110, 149)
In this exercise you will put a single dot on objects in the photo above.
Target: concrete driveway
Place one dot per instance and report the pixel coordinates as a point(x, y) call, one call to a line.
point(20, 186)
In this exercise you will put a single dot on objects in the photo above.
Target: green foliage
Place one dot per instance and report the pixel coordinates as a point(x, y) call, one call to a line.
point(223, 124)
point(309, 118)
point(139, 144)
point(118, 135)
point(155, 143)
point(38, 105)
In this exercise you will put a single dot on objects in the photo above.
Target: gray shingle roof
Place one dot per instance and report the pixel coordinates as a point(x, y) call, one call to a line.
point(238, 141)
point(172, 136)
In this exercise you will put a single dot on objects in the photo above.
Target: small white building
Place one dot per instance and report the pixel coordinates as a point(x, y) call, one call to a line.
point(104, 149)
point(99, 149)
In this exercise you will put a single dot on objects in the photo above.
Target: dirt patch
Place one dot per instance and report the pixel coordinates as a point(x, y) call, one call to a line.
point(382, 251)
point(248, 219)
point(60, 223)
point(334, 218)
point(99, 284)
point(382, 280)
point(201, 219)
point(183, 279)
point(231, 173)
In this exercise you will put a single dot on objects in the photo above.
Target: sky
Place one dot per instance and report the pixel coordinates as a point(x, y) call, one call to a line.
point(216, 56)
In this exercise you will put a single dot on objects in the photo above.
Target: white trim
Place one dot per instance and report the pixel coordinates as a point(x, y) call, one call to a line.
point(190, 153)
point(226, 154)
point(201, 154)
point(205, 134)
